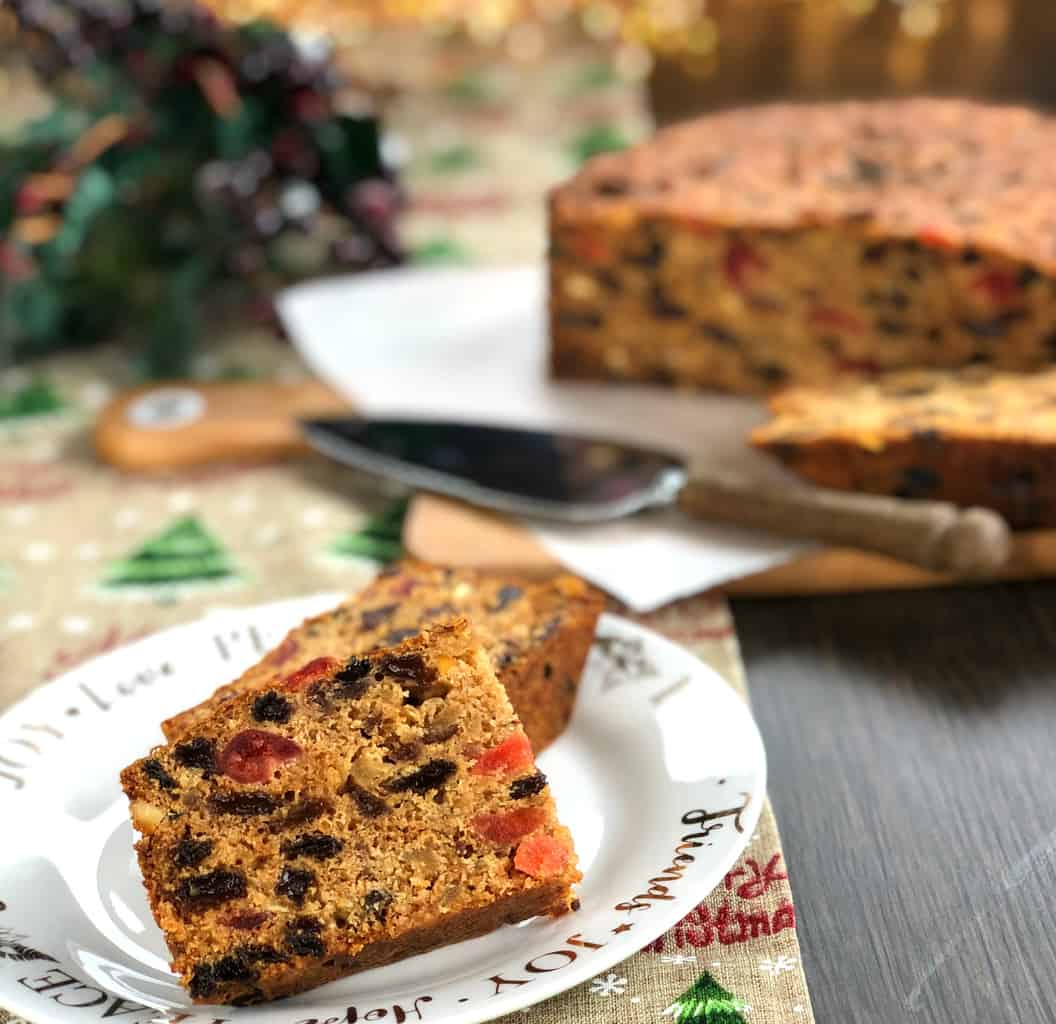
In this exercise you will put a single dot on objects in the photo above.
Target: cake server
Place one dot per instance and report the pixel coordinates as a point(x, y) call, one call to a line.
point(574, 478)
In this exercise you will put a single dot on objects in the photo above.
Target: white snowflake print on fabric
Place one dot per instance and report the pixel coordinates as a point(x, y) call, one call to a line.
point(777, 966)
point(678, 959)
point(610, 985)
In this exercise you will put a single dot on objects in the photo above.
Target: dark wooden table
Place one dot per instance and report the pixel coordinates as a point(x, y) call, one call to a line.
point(912, 751)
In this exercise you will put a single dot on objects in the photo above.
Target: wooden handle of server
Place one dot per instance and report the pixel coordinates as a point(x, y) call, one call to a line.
point(185, 423)
point(931, 534)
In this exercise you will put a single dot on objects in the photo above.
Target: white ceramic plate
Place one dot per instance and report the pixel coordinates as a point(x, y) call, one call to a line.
point(660, 777)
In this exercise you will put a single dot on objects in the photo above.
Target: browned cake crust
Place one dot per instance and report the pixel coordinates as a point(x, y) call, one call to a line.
point(362, 811)
point(974, 437)
point(538, 634)
point(794, 244)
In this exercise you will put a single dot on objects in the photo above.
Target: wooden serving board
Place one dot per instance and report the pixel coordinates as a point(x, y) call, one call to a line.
point(185, 423)
point(443, 530)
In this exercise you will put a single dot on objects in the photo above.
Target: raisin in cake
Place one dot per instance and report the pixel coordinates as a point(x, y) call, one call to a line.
point(792, 244)
point(363, 811)
point(974, 437)
point(537, 632)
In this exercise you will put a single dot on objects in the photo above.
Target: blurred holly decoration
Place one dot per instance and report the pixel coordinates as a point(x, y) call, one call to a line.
point(182, 156)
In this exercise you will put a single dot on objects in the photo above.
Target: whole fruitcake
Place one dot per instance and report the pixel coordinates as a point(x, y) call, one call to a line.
point(795, 244)
point(362, 811)
point(973, 437)
point(538, 634)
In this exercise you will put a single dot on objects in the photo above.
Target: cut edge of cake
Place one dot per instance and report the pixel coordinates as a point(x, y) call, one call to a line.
point(974, 437)
point(796, 244)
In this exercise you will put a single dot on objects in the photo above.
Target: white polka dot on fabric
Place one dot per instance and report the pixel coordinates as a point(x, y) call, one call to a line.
point(268, 534)
point(94, 395)
point(243, 503)
point(181, 501)
point(20, 622)
point(40, 551)
point(126, 517)
point(43, 451)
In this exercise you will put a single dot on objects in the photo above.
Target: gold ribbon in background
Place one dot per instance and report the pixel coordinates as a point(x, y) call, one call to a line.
point(709, 53)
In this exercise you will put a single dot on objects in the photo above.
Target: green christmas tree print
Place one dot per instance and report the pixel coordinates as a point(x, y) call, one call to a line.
point(601, 137)
point(184, 553)
point(706, 1002)
point(594, 77)
point(37, 398)
point(441, 250)
point(379, 538)
point(454, 159)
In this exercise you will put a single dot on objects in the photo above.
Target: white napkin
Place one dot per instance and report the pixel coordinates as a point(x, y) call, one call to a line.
point(471, 345)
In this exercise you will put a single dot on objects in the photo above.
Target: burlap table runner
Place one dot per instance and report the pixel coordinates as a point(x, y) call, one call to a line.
point(87, 556)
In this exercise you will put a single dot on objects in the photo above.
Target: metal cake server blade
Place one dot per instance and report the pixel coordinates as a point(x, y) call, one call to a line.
point(575, 479)
point(562, 477)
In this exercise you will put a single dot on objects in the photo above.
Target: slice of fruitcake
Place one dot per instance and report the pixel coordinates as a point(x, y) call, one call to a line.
point(538, 633)
point(972, 436)
point(364, 811)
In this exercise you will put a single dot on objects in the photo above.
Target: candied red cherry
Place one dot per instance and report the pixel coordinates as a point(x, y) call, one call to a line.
point(740, 262)
point(512, 753)
point(541, 856)
point(246, 920)
point(998, 285)
point(320, 668)
point(253, 755)
point(509, 826)
point(282, 654)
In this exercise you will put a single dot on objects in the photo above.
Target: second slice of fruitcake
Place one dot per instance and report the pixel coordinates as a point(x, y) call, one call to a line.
point(973, 437)
point(538, 633)
point(362, 812)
